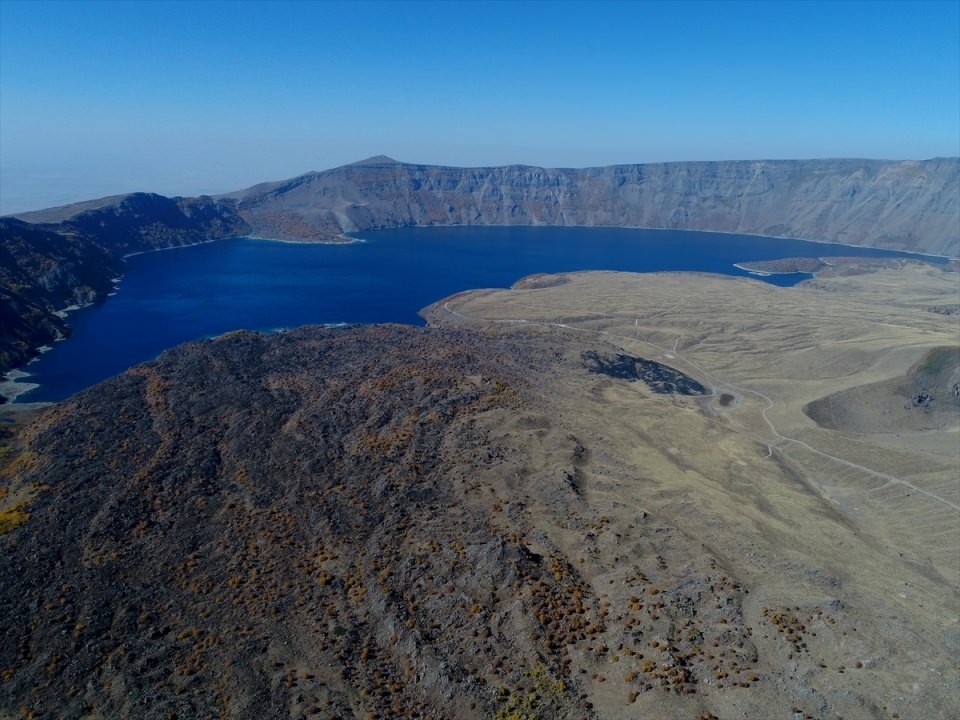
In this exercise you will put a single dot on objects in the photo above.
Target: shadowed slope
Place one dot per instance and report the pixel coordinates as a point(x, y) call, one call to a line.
point(927, 397)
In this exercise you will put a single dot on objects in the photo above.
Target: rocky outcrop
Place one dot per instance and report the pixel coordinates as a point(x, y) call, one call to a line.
point(905, 205)
point(243, 538)
point(143, 221)
point(400, 522)
point(149, 222)
point(41, 272)
point(67, 256)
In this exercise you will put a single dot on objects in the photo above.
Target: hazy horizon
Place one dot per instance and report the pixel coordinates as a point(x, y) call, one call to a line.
point(179, 98)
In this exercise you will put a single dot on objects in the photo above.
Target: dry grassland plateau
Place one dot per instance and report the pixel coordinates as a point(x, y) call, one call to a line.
point(822, 470)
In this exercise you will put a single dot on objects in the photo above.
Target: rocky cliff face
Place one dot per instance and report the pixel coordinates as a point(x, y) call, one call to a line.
point(898, 205)
point(42, 271)
point(55, 258)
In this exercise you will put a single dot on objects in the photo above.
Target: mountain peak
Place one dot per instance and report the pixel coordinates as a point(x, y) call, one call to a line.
point(378, 160)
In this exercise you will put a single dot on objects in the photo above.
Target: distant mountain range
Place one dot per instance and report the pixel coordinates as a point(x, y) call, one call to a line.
point(897, 205)
point(53, 258)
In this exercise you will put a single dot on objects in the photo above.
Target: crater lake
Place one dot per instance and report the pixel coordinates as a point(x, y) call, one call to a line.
point(168, 297)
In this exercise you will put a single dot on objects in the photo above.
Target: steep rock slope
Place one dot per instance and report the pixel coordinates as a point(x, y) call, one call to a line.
point(41, 272)
point(905, 205)
point(281, 526)
point(69, 256)
point(142, 221)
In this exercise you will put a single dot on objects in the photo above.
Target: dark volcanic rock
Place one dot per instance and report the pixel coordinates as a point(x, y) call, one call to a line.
point(69, 256)
point(334, 523)
point(269, 526)
point(390, 521)
point(146, 221)
point(42, 271)
point(660, 378)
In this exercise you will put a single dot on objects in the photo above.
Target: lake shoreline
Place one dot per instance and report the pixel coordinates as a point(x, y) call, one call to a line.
point(947, 258)
point(513, 254)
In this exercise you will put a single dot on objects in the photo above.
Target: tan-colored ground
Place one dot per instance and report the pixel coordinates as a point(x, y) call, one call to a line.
point(854, 536)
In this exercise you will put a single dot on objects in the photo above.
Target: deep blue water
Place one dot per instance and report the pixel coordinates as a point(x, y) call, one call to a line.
point(176, 295)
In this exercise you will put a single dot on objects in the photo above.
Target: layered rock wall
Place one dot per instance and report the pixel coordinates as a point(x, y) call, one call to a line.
point(898, 205)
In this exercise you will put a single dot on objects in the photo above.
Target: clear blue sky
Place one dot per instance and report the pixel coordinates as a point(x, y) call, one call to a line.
point(206, 97)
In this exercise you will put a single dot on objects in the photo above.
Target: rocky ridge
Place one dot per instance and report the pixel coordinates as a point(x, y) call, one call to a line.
point(323, 523)
point(905, 205)
point(54, 259)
